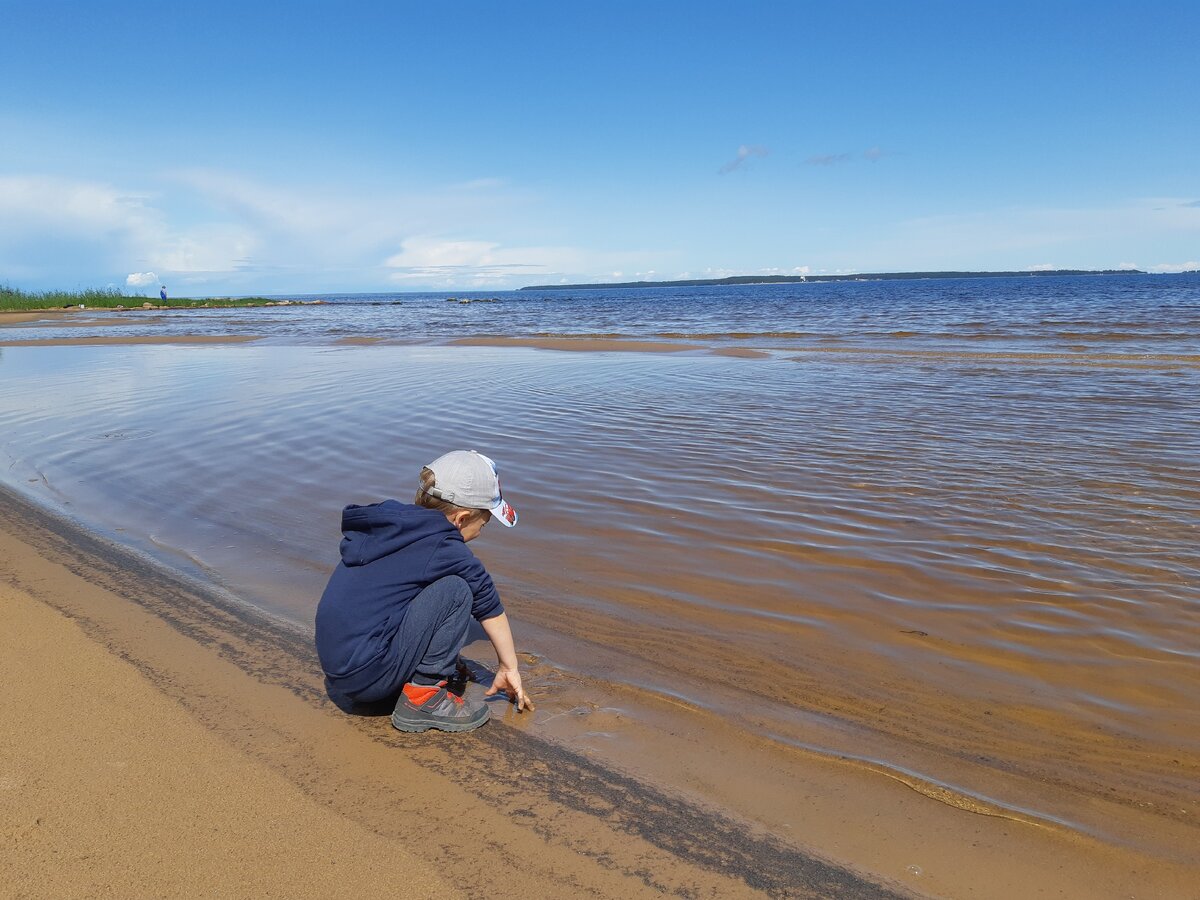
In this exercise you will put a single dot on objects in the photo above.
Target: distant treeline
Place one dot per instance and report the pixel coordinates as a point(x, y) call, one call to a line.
point(106, 298)
point(799, 279)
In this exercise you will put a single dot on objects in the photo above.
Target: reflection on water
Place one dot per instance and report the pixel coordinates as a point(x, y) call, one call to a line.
point(980, 568)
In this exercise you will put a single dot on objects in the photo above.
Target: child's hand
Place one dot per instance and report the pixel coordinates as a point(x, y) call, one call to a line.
point(509, 681)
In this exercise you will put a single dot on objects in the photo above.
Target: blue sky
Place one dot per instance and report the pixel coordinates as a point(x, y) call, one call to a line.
point(225, 148)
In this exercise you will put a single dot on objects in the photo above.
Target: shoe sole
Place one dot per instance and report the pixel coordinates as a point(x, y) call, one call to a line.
point(418, 726)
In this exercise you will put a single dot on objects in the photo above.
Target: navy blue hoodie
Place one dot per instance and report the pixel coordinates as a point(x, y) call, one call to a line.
point(390, 552)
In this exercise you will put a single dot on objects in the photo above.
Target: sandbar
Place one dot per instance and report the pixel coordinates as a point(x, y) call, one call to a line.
point(14, 317)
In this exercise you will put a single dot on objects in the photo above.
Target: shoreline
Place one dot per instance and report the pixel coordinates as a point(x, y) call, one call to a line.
point(252, 682)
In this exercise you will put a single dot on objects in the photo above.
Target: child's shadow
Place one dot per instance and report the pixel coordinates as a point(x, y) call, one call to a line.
point(473, 671)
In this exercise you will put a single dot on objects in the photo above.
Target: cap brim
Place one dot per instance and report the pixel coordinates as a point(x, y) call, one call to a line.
point(504, 513)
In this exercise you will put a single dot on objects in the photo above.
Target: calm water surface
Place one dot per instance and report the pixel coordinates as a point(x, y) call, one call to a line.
point(944, 527)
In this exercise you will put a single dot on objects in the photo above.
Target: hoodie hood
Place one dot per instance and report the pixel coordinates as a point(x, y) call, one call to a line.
point(380, 529)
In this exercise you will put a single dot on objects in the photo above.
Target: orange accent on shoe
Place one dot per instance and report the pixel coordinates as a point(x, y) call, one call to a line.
point(419, 693)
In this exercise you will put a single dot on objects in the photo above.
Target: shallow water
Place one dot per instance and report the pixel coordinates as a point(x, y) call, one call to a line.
point(961, 546)
point(1149, 314)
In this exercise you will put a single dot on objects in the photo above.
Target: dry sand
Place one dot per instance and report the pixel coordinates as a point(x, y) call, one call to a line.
point(110, 787)
point(163, 740)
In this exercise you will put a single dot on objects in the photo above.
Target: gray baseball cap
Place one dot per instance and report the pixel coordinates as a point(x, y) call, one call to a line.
point(468, 478)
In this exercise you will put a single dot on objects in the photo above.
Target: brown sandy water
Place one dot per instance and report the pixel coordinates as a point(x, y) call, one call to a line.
point(974, 573)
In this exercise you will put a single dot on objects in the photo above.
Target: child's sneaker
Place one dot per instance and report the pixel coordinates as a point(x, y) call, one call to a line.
point(425, 706)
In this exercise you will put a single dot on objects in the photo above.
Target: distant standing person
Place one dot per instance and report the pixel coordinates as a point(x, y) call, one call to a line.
point(163, 293)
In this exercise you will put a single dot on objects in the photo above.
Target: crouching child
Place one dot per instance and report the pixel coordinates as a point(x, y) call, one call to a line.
point(395, 614)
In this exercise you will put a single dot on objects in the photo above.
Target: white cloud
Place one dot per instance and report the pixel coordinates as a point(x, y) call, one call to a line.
point(221, 232)
point(454, 262)
point(1165, 268)
point(744, 153)
point(1043, 267)
point(211, 225)
point(212, 249)
point(76, 208)
point(112, 228)
point(779, 270)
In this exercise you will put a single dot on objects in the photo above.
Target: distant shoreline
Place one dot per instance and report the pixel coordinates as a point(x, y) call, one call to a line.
point(803, 279)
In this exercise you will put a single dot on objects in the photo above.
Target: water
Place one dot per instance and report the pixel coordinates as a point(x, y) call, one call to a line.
point(943, 528)
point(1125, 314)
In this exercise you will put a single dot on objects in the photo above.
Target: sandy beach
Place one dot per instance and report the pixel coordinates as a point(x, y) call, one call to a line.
point(110, 788)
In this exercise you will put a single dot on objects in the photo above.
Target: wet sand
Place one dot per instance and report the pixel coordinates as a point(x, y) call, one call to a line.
point(20, 318)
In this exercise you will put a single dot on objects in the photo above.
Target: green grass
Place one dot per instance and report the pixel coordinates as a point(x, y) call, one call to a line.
point(110, 298)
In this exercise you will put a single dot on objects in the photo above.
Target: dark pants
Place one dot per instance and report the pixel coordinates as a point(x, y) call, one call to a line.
point(433, 632)
point(426, 646)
